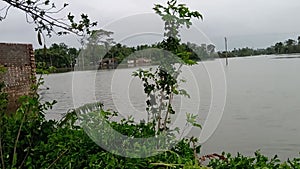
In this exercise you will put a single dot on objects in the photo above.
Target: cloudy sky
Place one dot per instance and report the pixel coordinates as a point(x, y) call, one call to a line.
point(252, 23)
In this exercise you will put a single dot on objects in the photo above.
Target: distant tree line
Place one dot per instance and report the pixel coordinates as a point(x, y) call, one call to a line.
point(197, 53)
point(287, 47)
point(61, 56)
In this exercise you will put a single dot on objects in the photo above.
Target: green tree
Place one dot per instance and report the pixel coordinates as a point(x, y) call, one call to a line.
point(279, 47)
point(161, 85)
point(290, 42)
point(120, 52)
point(96, 46)
point(290, 46)
point(57, 55)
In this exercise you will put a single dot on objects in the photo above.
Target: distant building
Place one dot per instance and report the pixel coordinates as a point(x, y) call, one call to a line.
point(108, 63)
point(130, 61)
point(138, 62)
point(143, 60)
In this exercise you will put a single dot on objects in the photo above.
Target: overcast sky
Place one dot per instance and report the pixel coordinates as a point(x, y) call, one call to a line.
point(252, 23)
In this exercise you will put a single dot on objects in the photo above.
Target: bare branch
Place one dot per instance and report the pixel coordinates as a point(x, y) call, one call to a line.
point(5, 13)
point(27, 19)
point(48, 19)
point(40, 11)
point(3, 8)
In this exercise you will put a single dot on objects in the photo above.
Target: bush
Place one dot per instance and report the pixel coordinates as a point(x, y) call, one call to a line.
point(259, 161)
point(30, 141)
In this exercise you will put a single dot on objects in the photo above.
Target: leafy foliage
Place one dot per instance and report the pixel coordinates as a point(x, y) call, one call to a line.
point(162, 84)
point(2, 69)
point(57, 55)
point(50, 144)
point(21, 131)
point(29, 141)
point(175, 16)
point(258, 161)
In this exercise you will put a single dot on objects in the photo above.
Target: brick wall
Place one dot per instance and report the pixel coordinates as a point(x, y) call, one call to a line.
point(18, 59)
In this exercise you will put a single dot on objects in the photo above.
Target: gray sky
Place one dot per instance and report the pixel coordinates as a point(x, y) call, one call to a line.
point(252, 23)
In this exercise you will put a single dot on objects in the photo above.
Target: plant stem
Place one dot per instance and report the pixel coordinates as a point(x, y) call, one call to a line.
point(17, 139)
point(159, 110)
point(24, 158)
point(195, 152)
point(171, 97)
point(57, 159)
point(167, 113)
point(1, 154)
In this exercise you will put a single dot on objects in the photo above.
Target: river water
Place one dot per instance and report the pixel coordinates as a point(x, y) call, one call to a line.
point(262, 95)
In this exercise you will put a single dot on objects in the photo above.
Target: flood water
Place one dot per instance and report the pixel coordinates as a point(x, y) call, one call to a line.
point(262, 109)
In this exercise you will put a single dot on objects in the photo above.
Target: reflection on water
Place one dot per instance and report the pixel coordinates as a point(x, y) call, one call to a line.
point(262, 107)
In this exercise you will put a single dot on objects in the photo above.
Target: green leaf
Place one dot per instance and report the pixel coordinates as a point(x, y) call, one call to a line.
point(47, 2)
point(39, 38)
point(197, 125)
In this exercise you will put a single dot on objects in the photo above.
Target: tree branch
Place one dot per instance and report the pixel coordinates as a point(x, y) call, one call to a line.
point(40, 12)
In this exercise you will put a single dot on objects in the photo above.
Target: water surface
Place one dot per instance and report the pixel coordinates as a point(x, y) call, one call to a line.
point(262, 108)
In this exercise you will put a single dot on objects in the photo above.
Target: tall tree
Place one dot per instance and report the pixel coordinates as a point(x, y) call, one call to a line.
point(97, 46)
point(279, 47)
point(290, 46)
point(290, 42)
